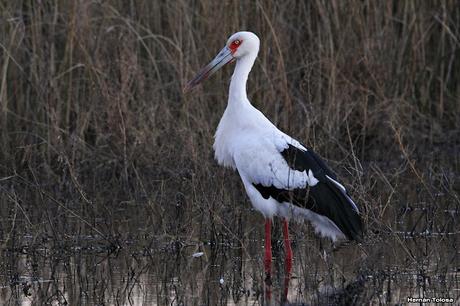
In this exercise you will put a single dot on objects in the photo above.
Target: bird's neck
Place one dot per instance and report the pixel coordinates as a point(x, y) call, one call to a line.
point(237, 94)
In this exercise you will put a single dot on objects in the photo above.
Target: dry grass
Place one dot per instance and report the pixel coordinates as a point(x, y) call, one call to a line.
point(97, 138)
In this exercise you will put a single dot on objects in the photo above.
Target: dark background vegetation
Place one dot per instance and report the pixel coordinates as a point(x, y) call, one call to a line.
point(101, 150)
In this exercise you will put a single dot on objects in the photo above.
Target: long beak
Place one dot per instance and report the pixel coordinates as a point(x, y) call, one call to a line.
point(224, 57)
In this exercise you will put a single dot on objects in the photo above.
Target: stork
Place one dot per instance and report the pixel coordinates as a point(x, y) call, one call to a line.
point(282, 177)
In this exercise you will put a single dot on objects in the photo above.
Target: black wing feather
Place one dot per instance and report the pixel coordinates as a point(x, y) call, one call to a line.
point(325, 198)
point(301, 160)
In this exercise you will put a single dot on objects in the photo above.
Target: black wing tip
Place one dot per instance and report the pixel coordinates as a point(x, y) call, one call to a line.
point(358, 232)
point(353, 225)
point(335, 205)
point(332, 204)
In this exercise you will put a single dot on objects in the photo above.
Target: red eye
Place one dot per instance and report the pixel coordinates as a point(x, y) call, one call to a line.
point(235, 44)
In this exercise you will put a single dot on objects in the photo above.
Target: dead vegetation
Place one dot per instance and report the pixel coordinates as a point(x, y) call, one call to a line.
point(97, 139)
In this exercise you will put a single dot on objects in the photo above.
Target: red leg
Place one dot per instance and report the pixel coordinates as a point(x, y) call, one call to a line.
point(268, 258)
point(288, 259)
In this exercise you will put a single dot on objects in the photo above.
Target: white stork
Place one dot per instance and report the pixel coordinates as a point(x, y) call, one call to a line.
point(281, 176)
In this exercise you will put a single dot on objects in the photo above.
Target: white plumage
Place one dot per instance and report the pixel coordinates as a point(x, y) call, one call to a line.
point(274, 180)
point(248, 142)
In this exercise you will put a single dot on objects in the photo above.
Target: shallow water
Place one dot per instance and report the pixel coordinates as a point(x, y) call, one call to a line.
point(164, 270)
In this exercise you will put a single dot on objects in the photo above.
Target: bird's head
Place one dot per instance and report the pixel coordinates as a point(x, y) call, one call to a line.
point(243, 43)
point(239, 45)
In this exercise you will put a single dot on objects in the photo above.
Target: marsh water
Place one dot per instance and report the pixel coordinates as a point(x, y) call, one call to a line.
point(227, 269)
